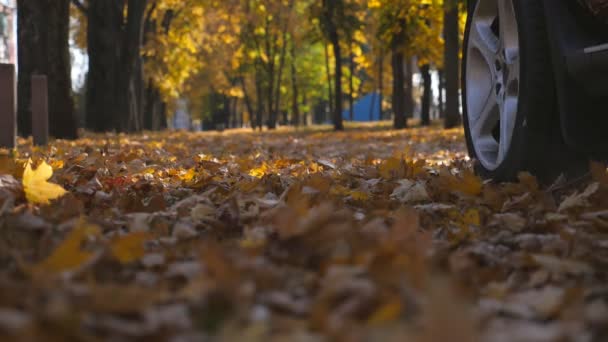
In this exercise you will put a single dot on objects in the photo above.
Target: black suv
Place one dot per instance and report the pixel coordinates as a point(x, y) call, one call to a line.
point(535, 86)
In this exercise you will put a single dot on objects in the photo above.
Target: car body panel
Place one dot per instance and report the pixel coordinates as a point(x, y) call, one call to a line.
point(581, 76)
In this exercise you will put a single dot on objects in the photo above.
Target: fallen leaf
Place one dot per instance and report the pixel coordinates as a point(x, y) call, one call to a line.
point(36, 186)
point(387, 312)
point(579, 200)
point(69, 255)
point(130, 247)
point(410, 192)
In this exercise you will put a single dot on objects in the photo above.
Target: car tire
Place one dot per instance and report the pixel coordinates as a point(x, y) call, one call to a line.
point(527, 133)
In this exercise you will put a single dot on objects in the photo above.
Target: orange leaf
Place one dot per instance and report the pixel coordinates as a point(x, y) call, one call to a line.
point(129, 247)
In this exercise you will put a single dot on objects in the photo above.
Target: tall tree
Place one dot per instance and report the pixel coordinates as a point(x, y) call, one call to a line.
point(398, 67)
point(441, 96)
point(409, 28)
point(425, 115)
point(351, 80)
point(380, 82)
point(114, 41)
point(295, 102)
point(451, 64)
point(332, 10)
point(43, 33)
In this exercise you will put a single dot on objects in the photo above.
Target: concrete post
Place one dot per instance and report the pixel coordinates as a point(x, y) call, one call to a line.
point(8, 106)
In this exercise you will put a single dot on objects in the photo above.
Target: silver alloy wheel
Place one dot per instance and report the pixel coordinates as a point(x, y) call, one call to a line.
point(492, 80)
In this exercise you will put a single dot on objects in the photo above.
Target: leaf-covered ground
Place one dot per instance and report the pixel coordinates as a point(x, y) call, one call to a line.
point(368, 235)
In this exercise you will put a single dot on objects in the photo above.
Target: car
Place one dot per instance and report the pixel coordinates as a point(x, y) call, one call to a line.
point(535, 86)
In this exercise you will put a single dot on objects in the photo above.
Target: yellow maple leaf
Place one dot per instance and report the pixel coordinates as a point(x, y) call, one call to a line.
point(36, 186)
point(69, 255)
point(129, 247)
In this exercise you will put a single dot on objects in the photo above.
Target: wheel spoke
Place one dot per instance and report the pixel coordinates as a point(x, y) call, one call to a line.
point(512, 81)
point(485, 121)
point(486, 144)
point(483, 40)
point(508, 115)
point(509, 39)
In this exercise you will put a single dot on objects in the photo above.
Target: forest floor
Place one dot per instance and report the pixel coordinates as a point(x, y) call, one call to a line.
point(367, 235)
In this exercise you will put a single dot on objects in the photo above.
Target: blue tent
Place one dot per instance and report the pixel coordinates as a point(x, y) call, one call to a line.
point(365, 109)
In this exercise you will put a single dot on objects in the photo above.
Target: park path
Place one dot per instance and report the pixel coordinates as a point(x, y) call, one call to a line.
point(311, 235)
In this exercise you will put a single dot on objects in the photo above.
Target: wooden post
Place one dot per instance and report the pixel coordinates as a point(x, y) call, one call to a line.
point(8, 108)
point(40, 110)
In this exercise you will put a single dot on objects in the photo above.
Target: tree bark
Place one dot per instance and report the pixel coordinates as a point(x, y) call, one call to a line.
point(295, 104)
point(398, 90)
point(451, 64)
point(277, 89)
point(330, 91)
point(334, 39)
point(43, 33)
point(114, 43)
point(425, 115)
point(248, 105)
point(351, 86)
point(163, 116)
point(129, 95)
point(399, 94)
point(338, 107)
point(409, 88)
point(260, 103)
point(441, 93)
point(381, 82)
point(149, 107)
point(103, 47)
point(305, 114)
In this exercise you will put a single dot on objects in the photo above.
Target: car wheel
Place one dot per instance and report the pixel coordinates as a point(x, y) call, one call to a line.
point(510, 113)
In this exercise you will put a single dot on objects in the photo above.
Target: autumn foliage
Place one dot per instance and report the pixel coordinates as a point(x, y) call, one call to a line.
point(366, 235)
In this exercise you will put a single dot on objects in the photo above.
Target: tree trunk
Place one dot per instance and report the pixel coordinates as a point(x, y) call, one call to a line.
point(43, 33)
point(276, 100)
point(248, 105)
point(441, 93)
point(306, 114)
point(260, 103)
point(381, 83)
point(103, 47)
point(399, 94)
point(163, 116)
point(152, 107)
point(129, 98)
point(372, 107)
point(329, 80)
point(351, 86)
point(398, 90)
point(425, 115)
point(408, 101)
point(114, 43)
point(338, 107)
point(295, 104)
point(451, 63)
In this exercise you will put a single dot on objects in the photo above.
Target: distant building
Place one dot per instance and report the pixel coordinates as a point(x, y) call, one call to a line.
point(8, 42)
point(366, 108)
